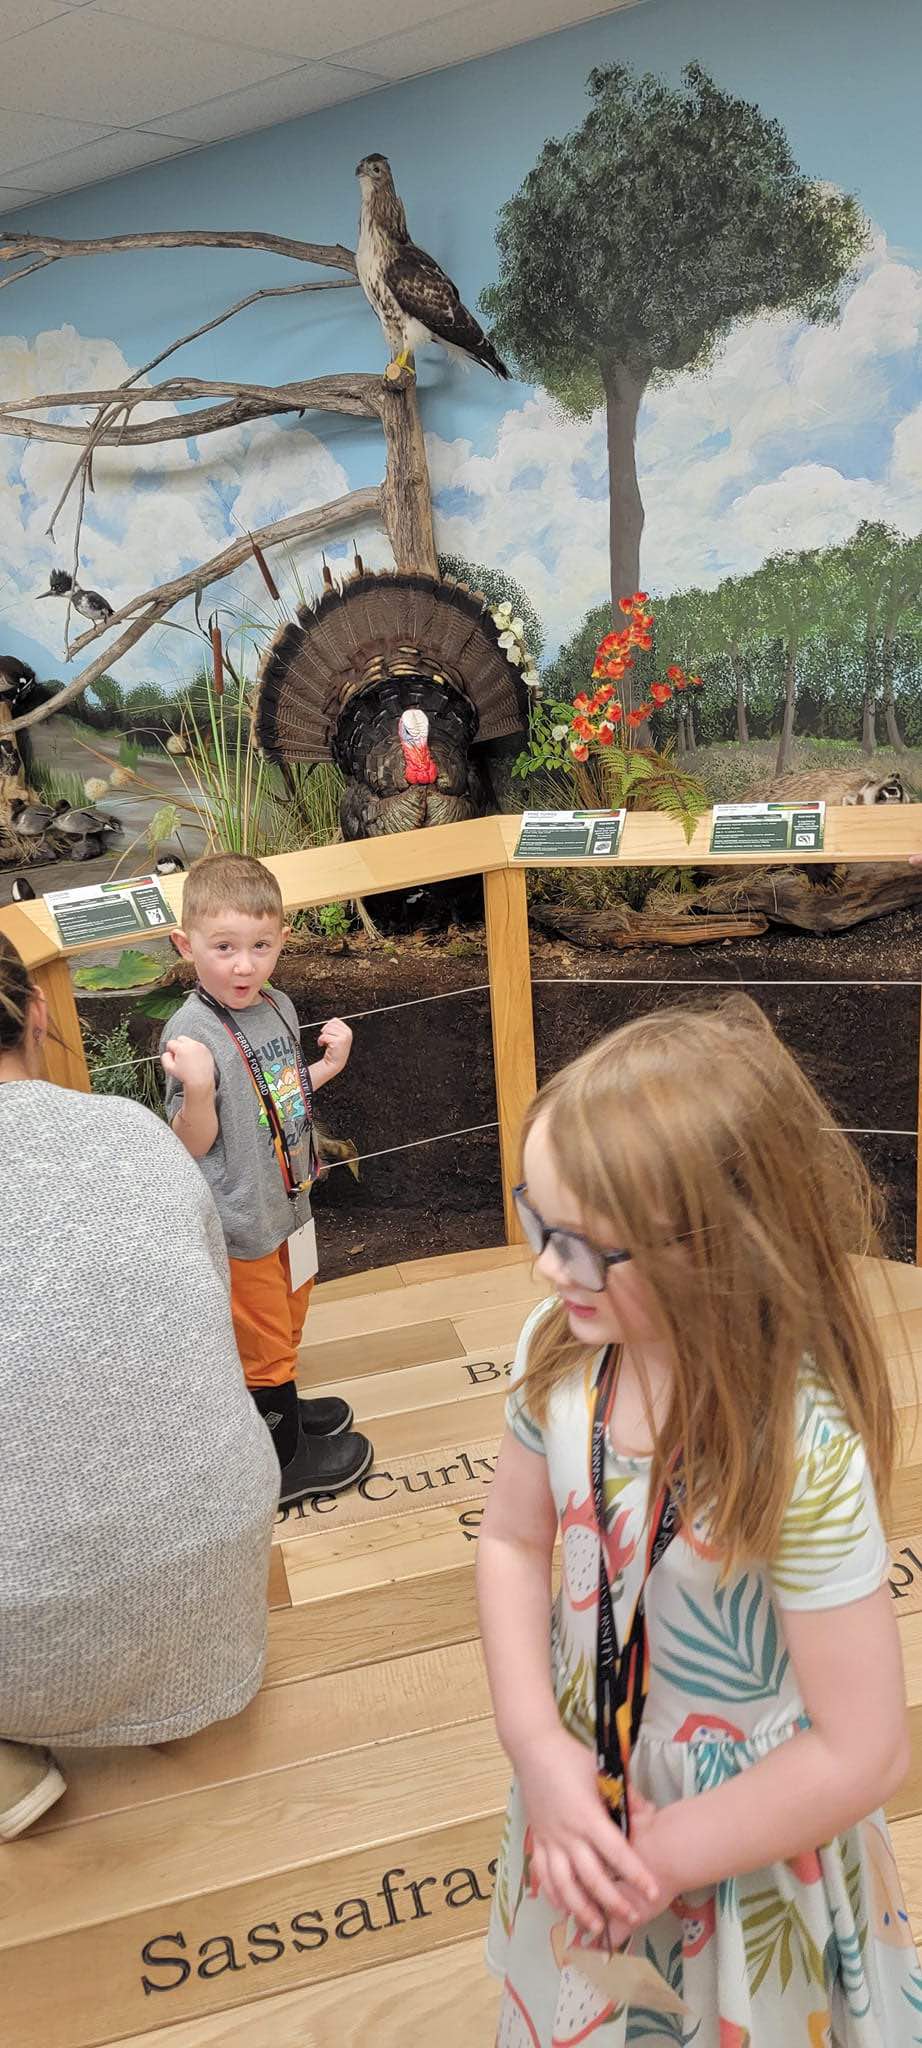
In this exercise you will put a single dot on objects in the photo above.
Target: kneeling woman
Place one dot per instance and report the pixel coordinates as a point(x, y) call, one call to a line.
point(138, 1484)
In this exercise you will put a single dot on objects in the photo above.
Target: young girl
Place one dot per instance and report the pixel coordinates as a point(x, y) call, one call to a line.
point(707, 1385)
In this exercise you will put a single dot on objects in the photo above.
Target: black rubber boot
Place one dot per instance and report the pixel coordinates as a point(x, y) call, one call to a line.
point(325, 1418)
point(325, 1464)
point(279, 1409)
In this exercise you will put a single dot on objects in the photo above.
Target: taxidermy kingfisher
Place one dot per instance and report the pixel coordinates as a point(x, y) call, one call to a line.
point(414, 300)
point(88, 603)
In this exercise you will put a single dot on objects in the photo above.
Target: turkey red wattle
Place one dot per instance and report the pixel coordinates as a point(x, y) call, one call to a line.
point(413, 735)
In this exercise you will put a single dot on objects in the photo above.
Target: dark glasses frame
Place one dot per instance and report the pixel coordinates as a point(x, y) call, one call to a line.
point(600, 1259)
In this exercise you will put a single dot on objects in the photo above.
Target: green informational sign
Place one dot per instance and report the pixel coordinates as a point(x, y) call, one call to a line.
point(767, 828)
point(110, 910)
point(569, 835)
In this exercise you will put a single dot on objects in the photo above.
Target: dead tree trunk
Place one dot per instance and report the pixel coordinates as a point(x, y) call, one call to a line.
point(406, 498)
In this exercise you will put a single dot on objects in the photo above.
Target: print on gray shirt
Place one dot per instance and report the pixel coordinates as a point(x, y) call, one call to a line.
point(242, 1169)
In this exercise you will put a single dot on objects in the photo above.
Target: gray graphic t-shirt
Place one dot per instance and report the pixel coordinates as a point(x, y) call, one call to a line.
point(242, 1169)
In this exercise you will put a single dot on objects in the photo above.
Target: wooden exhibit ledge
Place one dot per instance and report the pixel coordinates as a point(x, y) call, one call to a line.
point(486, 846)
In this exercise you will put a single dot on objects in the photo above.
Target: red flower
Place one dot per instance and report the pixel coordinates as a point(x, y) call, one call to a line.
point(643, 640)
point(696, 682)
point(605, 735)
point(616, 712)
point(605, 694)
point(629, 661)
point(674, 674)
point(680, 680)
point(615, 669)
point(580, 753)
point(636, 718)
point(583, 728)
point(660, 693)
point(625, 604)
point(581, 703)
point(640, 597)
point(607, 645)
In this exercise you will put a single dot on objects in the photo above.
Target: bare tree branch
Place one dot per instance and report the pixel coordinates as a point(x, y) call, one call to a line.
point(346, 511)
point(348, 394)
point(55, 248)
point(272, 291)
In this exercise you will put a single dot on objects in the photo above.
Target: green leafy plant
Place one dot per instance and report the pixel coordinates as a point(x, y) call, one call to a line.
point(129, 754)
point(159, 1004)
point(54, 785)
point(115, 1068)
point(333, 920)
point(130, 970)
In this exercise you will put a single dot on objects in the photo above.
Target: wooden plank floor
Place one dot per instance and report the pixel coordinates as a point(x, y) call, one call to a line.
point(316, 1874)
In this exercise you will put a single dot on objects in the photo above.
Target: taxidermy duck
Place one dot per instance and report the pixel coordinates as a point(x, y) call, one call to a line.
point(16, 677)
point(85, 830)
point(89, 603)
point(169, 864)
point(21, 890)
point(396, 677)
point(414, 299)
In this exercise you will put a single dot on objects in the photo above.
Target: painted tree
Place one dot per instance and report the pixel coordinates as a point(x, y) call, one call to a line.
point(732, 620)
point(796, 597)
point(642, 239)
point(881, 575)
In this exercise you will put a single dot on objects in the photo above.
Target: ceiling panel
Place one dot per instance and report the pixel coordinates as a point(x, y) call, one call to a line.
point(303, 91)
point(15, 15)
point(127, 150)
point(11, 198)
point(297, 28)
point(85, 61)
point(24, 138)
point(472, 32)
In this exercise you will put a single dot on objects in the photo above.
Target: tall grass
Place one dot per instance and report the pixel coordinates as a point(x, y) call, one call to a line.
point(55, 785)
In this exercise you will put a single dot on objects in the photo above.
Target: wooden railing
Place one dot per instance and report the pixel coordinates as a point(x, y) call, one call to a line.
point(485, 846)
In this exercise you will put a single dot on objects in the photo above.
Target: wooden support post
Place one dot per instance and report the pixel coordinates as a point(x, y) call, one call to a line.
point(65, 1059)
point(919, 1154)
point(509, 965)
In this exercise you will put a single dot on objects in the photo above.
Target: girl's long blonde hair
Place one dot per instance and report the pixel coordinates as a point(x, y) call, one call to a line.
point(692, 1139)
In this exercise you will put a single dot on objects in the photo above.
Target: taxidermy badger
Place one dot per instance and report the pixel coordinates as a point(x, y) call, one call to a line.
point(844, 787)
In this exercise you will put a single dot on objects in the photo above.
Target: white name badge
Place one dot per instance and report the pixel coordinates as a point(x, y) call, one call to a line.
point(302, 1255)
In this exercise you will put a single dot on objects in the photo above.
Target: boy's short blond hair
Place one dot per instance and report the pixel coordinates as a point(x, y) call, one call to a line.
point(229, 881)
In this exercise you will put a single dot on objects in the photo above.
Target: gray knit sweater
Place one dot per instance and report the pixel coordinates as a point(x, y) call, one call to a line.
point(137, 1482)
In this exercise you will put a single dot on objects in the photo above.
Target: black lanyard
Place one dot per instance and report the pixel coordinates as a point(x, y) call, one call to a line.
point(622, 1674)
point(293, 1187)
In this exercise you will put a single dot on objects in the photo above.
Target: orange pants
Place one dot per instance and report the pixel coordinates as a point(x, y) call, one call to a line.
point(268, 1317)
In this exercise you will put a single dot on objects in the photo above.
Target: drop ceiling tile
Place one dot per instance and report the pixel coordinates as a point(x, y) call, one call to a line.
point(301, 28)
point(472, 32)
point(85, 61)
point(15, 15)
point(124, 150)
point(26, 138)
point(303, 91)
point(11, 199)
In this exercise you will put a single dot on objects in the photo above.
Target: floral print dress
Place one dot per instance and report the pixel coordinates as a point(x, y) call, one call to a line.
point(816, 1953)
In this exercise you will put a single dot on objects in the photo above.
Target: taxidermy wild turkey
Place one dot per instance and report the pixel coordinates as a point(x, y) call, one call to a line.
point(394, 677)
point(88, 603)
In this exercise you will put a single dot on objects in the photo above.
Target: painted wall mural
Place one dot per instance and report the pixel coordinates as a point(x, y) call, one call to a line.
point(705, 272)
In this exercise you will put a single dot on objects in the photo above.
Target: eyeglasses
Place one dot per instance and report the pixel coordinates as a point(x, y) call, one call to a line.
point(582, 1262)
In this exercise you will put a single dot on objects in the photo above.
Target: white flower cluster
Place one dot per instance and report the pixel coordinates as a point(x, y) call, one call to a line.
point(512, 641)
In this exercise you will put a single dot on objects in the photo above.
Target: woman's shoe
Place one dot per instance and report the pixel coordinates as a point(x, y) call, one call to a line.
point(30, 1782)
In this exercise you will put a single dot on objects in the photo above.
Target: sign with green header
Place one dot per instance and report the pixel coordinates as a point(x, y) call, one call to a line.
point(110, 910)
point(569, 835)
point(767, 828)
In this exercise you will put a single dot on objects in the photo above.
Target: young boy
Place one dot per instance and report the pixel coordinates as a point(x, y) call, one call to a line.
point(239, 1096)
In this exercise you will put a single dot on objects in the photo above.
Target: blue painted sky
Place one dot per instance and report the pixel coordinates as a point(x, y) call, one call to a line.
point(793, 437)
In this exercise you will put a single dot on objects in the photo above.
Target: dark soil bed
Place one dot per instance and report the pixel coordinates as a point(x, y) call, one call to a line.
point(422, 1066)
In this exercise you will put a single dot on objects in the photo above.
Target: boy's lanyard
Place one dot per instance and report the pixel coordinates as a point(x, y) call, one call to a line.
point(293, 1187)
point(622, 1674)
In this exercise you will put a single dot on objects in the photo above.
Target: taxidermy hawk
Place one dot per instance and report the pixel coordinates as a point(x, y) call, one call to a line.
point(394, 677)
point(414, 300)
